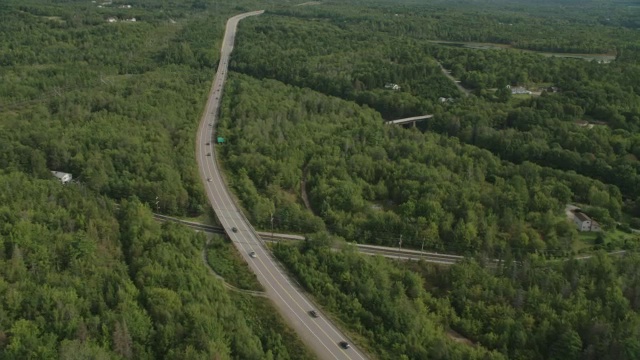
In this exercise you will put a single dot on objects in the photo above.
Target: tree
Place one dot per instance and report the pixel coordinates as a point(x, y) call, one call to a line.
point(503, 94)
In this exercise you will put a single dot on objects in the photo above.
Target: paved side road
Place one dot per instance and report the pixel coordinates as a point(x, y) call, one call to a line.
point(319, 334)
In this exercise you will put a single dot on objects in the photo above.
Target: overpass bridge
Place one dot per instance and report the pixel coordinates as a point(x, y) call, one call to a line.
point(409, 120)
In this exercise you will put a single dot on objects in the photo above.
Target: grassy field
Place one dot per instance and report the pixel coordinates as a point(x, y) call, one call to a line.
point(608, 240)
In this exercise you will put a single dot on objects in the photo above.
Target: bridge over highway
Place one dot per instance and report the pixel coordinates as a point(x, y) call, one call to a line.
point(408, 120)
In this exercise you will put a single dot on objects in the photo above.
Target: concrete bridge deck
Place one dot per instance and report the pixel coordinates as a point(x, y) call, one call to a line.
point(408, 120)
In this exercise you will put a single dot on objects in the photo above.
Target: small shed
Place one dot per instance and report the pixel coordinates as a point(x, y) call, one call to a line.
point(220, 140)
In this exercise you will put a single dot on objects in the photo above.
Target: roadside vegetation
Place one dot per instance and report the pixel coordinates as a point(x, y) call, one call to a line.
point(225, 261)
point(535, 309)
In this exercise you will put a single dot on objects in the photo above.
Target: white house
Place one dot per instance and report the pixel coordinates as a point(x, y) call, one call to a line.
point(392, 86)
point(62, 176)
point(518, 90)
point(584, 222)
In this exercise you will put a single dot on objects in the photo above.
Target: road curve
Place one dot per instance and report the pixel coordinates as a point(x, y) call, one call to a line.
point(319, 334)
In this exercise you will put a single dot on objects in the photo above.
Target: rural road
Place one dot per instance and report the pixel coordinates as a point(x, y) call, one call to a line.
point(319, 334)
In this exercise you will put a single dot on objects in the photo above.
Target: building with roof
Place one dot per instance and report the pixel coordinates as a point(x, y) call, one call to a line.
point(518, 90)
point(392, 86)
point(584, 222)
point(62, 176)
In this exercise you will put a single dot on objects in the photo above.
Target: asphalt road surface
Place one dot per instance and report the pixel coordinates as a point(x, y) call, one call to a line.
point(319, 334)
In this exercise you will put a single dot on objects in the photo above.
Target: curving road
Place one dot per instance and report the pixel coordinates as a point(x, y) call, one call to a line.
point(319, 334)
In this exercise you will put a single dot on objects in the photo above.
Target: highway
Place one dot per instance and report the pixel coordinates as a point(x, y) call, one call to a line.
point(319, 334)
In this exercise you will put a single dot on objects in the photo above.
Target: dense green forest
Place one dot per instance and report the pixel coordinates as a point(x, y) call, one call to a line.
point(387, 306)
point(565, 26)
point(530, 310)
point(489, 175)
point(372, 183)
point(323, 49)
point(543, 130)
point(116, 104)
point(80, 280)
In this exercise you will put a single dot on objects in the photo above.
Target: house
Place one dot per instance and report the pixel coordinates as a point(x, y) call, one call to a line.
point(62, 176)
point(584, 124)
point(518, 90)
point(584, 222)
point(391, 86)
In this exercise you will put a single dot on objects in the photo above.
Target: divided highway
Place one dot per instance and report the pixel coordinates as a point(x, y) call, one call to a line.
point(319, 334)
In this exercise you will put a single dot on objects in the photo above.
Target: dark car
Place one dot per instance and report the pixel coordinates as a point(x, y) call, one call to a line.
point(208, 154)
point(314, 313)
point(234, 229)
point(344, 345)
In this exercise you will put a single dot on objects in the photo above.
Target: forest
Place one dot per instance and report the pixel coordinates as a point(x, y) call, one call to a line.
point(114, 104)
point(117, 106)
point(85, 271)
point(320, 48)
point(80, 279)
point(536, 309)
point(373, 183)
point(489, 176)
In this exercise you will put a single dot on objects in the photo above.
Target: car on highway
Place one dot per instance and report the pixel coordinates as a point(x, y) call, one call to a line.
point(208, 154)
point(234, 229)
point(314, 313)
point(252, 254)
point(209, 179)
point(208, 143)
point(344, 345)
